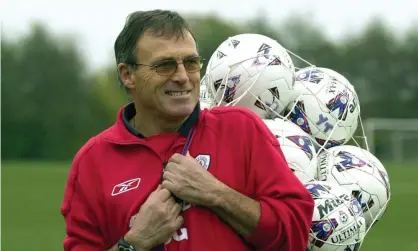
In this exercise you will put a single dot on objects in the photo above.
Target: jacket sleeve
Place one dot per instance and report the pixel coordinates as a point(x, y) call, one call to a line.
point(81, 224)
point(286, 206)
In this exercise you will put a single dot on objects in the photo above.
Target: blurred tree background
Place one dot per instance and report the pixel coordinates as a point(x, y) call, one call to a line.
point(51, 104)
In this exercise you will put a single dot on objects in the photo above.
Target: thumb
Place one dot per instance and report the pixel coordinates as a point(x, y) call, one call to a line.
point(188, 154)
point(158, 188)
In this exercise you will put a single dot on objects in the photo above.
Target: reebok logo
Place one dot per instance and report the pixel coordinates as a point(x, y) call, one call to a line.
point(125, 186)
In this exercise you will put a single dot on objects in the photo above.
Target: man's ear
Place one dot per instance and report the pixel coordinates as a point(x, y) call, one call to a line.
point(126, 75)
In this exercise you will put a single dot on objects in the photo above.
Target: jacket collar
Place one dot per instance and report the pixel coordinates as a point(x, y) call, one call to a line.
point(123, 133)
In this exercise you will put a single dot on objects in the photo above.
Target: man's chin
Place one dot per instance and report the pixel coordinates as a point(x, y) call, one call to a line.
point(182, 111)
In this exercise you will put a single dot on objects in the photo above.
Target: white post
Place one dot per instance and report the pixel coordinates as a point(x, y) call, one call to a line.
point(397, 147)
point(398, 126)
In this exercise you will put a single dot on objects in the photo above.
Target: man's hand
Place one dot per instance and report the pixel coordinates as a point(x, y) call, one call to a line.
point(189, 181)
point(157, 220)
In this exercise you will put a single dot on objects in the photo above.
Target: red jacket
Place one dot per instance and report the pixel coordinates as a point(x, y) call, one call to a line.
point(115, 171)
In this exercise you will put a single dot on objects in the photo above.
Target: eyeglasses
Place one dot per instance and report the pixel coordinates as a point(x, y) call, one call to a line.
point(169, 67)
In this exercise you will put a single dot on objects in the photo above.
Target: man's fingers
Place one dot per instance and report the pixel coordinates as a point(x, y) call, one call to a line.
point(156, 191)
point(168, 175)
point(179, 221)
point(170, 202)
point(167, 185)
point(172, 167)
point(164, 194)
point(172, 199)
point(176, 158)
point(176, 209)
point(158, 188)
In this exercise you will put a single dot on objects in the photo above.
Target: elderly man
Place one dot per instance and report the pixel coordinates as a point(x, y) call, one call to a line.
point(169, 176)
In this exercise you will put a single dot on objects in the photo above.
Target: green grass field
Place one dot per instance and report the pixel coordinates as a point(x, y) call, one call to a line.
point(32, 194)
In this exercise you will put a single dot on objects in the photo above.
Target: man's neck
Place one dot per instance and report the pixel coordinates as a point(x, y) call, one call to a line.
point(149, 124)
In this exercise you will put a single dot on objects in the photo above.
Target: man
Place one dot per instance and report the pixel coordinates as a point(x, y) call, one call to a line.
point(170, 176)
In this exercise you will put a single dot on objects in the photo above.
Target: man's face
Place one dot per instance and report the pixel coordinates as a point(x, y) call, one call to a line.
point(175, 95)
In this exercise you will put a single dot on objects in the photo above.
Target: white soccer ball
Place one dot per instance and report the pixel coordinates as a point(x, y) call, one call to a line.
point(338, 223)
point(204, 105)
point(297, 148)
point(326, 106)
point(361, 173)
point(204, 98)
point(251, 71)
point(316, 74)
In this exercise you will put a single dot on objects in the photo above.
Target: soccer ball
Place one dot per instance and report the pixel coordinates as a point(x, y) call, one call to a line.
point(326, 106)
point(205, 101)
point(338, 223)
point(204, 105)
point(361, 173)
point(315, 74)
point(251, 71)
point(297, 148)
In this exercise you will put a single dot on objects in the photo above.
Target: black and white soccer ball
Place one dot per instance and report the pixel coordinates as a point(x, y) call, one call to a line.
point(326, 106)
point(359, 172)
point(297, 147)
point(338, 223)
point(251, 71)
point(205, 101)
